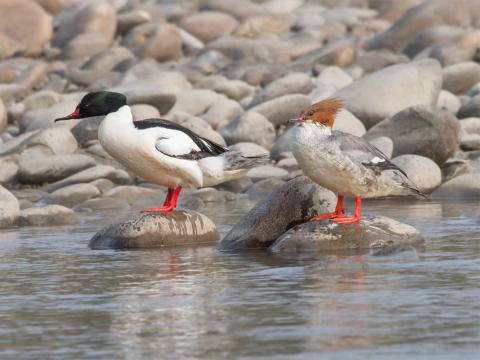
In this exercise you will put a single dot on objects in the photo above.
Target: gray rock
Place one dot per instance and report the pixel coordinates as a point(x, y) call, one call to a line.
point(267, 172)
point(250, 127)
point(465, 186)
point(9, 208)
point(293, 203)
point(435, 135)
point(86, 129)
point(3, 117)
point(334, 76)
point(384, 144)
point(470, 109)
point(282, 144)
point(58, 139)
point(371, 233)
point(232, 88)
point(470, 142)
point(424, 173)
point(44, 117)
point(222, 112)
point(41, 100)
point(278, 111)
point(129, 19)
point(263, 188)
point(428, 13)
point(47, 216)
point(108, 59)
point(448, 101)
point(208, 25)
point(103, 185)
point(177, 228)
point(144, 111)
point(385, 92)
point(459, 78)
point(8, 169)
point(293, 83)
point(440, 34)
point(40, 169)
point(72, 194)
point(375, 60)
point(347, 122)
point(210, 195)
point(88, 175)
point(194, 101)
point(16, 144)
point(137, 196)
point(470, 125)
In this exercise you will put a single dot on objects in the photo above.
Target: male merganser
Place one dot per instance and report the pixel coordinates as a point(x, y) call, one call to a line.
point(344, 163)
point(161, 151)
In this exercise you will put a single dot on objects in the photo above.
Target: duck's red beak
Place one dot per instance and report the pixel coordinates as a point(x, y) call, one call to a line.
point(297, 120)
point(73, 115)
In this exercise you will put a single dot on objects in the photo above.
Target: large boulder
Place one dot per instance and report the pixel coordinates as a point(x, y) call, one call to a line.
point(376, 96)
point(371, 233)
point(424, 173)
point(9, 208)
point(72, 194)
point(26, 25)
point(147, 230)
point(293, 203)
point(427, 14)
point(421, 130)
point(47, 216)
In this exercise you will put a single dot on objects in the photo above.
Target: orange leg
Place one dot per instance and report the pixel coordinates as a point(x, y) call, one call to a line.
point(170, 201)
point(351, 219)
point(339, 210)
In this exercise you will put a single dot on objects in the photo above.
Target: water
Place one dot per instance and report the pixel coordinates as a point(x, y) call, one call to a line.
point(60, 300)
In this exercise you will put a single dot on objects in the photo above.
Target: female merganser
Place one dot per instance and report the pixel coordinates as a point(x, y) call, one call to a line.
point(344, 163)
point(161, 151)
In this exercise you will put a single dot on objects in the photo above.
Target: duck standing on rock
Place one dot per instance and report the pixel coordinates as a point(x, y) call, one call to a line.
point(161, 151)
point(344, 163)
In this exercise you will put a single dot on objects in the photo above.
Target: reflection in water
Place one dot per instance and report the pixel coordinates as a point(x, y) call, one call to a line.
point(60, 300)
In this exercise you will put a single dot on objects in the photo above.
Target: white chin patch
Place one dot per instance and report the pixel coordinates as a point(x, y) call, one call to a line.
point(376, 160)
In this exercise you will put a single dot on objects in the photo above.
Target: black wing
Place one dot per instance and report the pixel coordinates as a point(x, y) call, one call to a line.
point(207, 147)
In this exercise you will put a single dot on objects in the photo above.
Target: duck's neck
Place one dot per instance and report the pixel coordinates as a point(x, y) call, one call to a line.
point(122, 117)
point(116, 126)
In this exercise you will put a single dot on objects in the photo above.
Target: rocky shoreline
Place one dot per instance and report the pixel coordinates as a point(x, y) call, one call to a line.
point(235, 75)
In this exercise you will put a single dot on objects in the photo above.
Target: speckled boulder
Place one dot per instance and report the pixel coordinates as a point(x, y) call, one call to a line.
point(149, 230)
point(295, 202)
point(373, 233)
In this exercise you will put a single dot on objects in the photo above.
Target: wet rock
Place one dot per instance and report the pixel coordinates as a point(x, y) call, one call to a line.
point(47, 216)
point(426, 14)
point(471, 108)
point(177, 228)
point(436, 134)
point(448, 101)
point(459, 78)
point(158, 41)
point(40, 169)
point(371, 233)
point(72, 194)
point(293, 203)
point(279, 110)
point(424, 173)
point(88, 175)
point(384, 144)
point(293, 83)
point(249, 149)
point(465, 186)
point(137, 196)
point(383, 93)
point(8, 169)
point(208, 25)
point(222, 112)
point(263, 188)
point(9, 208)
point(250, 127)
point(104, 203)
point(88, 20)
point(235, 185)
point(210, 195)
point(25, 23)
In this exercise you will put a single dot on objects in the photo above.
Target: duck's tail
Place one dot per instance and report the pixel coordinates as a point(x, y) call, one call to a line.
point(235, 160)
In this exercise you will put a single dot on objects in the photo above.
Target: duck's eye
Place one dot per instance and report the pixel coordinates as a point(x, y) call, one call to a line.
point(310, 113)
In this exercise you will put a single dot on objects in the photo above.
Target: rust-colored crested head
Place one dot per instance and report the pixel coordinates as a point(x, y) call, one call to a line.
point(323, 112)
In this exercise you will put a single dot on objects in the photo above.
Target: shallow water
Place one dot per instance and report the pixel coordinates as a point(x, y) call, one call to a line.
point(60, 300)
